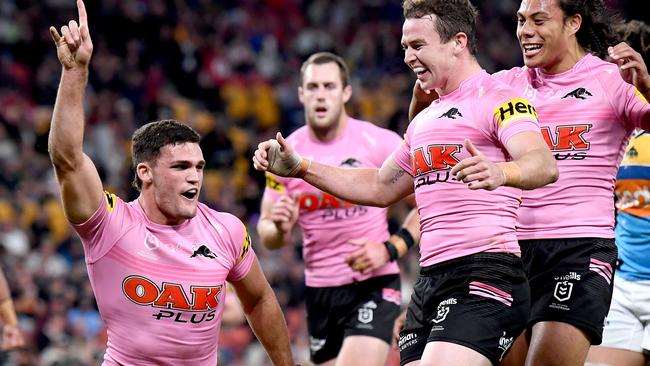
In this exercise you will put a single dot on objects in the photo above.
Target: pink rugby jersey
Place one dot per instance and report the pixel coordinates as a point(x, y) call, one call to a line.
point(454, 220)
point(587, 115)
point(161, 289)
point(329, 223)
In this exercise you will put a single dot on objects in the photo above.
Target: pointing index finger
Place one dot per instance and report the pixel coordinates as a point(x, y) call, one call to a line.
point(83, 17)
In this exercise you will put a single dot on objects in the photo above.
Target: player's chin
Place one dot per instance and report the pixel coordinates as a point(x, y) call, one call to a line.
point(188, 211)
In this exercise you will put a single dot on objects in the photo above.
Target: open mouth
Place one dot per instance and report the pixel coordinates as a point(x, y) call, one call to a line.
point(190, 193)
point(531, 49)
point(420, 72)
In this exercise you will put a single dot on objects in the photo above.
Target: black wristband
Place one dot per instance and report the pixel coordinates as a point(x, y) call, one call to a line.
point(406, 236)
point(392, 251)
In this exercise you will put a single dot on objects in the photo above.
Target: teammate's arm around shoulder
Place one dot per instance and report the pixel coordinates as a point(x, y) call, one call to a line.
point(81, 188)
point(364, 186)
point(264, 314)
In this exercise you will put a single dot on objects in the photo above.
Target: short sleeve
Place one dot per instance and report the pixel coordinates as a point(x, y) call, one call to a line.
point(513, 116)
point(242, 250)
point(402, 154)
point(102, 230)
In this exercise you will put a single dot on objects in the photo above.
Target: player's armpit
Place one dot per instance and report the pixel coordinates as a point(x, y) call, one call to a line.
point(81, 190)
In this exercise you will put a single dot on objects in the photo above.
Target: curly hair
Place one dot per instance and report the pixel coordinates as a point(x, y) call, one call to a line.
point(597, 31)
point(637, 34)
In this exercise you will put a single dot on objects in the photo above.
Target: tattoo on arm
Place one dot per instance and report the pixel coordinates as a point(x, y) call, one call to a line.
point(397, 176)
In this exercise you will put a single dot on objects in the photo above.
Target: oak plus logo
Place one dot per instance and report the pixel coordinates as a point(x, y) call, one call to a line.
point(329, 207)
point(172, 301)
point(431, 165)
point(568, 141)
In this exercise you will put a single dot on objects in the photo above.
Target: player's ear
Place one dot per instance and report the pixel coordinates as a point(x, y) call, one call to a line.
point(301, 96)
point(460, 41)
point(347, 93)
point(143, 170)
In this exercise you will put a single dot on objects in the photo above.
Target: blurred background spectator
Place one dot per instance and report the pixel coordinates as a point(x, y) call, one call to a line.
point(228, 68)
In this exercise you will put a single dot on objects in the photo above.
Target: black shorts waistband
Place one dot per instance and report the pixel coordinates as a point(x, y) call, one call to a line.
point(501, 258)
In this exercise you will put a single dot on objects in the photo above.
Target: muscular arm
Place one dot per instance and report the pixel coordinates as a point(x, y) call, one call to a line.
point(364, 186)
point(12, 336)
point(532, 157)
point(533, 165)
point(7, 312)
point(81, 188)
point(264, 315)
point(369, 187)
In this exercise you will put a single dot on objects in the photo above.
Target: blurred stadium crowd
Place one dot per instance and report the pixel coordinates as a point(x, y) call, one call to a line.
point(228, 68)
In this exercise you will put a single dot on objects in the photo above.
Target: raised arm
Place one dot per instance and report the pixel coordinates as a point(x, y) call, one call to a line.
point(420, 99)
point(369, 187)
point(81, 188)
point(264, 315)
point(277, 218)
point(634, 71)
point(12, 336)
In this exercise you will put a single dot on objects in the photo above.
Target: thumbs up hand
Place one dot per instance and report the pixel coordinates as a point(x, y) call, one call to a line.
point(278, 157)
point(478, 171)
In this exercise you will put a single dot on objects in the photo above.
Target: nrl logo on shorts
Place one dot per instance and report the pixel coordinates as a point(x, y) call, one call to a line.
point(366, 312)
point(316, 344)
point(563, 290)
point(443, 310)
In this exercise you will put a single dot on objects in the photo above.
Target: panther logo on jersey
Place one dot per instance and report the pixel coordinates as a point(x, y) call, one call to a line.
point(452, 113)
point(580, 93)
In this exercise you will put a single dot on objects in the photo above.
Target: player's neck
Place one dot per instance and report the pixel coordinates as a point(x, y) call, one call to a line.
point(153, 212)
point(332, 132)
point(465, 68)
point(568, 60)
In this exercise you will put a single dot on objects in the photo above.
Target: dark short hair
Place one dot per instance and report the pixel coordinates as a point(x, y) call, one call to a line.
point(321, 58)
point(597, 31)
point(148, 140)
point(452, 17)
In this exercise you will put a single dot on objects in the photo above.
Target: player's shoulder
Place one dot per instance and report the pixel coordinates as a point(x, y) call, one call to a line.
point(512, 75)
point(370, 128)
point(113, 202)
point(593, 67)
point(299, 134)
point(221, 221)
point(496, 90)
